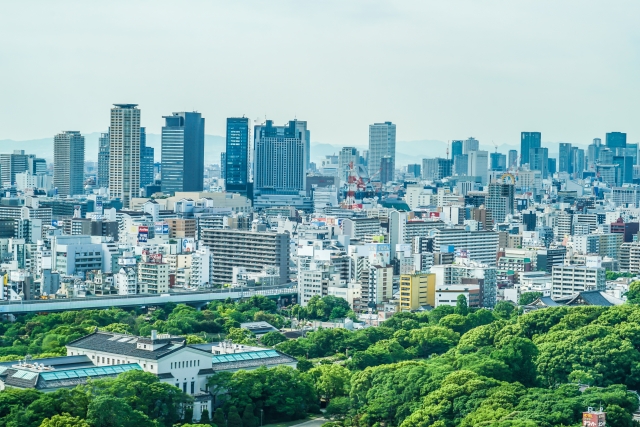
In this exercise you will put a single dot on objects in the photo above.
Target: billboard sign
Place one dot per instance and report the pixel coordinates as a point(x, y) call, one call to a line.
point(143, 233)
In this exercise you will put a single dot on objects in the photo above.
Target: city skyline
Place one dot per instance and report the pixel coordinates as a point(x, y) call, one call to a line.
point(461, 55)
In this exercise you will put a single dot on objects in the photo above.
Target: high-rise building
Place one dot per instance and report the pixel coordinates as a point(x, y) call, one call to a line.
point(498, 161)
point(386, 169)
point(528, 140)
point(538, 160)
point(382, 142)
point(513, 159)
point(146, 160)
point(280, 158)
point(500, 200)
point(551, 166)
point(577, 162)
point(593, 154)
point(414, 170)
point(124, 153)
point(564, 158)
point(470, 144)
point(479, 165)
point(238, 156)
point(625, 168)
point(347, 157)
point(437, 168)
point(11, 164)
point(456, 148)
point(36, 166)
point(68, 163)
point(223, 164)
point(461, 164)
point(615, 140)
point(632, 151)
point(183, 152)
point(103, 160)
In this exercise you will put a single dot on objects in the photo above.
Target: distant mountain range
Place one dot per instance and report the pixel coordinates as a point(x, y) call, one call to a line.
point(407, 152)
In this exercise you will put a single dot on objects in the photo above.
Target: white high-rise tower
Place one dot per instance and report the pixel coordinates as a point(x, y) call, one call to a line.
point(382, 142)
point(124, 153)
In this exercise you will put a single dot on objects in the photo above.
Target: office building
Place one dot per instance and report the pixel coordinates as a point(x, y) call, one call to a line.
point(568, 280)
point(76, 255)
point(625, 169)
point(564, 158)
point(68, 163)
point(460, 164)
point(124, 153)
point(11, 164)
point(417, 290)
point(538, 160)
point(513, 159)
point(251, 250)
point(593, 154)
point(456, 148)
point(280, 158)
point(347, 158)
point(237, 168)
point(146, 160)
point(414, 170)
point(498, 162)
point(387, 171)
point(470, 144)
point(577, 162)
point(479, 165)
point(528, 140)
point(479, 246)
point(182, 152)
point(435, 169)
point(103, 160)
point(223, 165)
point(382, 142)
point(616, 140)
point(551, 166)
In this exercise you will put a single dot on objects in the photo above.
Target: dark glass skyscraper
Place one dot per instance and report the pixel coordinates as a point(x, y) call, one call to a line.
point(456, 148)
point(498, 162)
point(183, 152)
point(238, 156)
point(538, 160)
point(564, 158)
point(528, 140)
point(616, 140)
point(146, 160)
point(512, 161)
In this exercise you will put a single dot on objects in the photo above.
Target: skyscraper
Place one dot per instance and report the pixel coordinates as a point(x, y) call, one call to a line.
point(68, 163)
point(386, 169)
point(564, 158)
point(146, 160)
point(551, 166)
point(479, 165)
point(223, 164)
point(456, 148)
point(470, 144)
point(103, 160)
point(346, 157)
point(11, 164)
point(616, 140)
point(238, 156)
point(124, 153)
point(539, 160)
point(382, 142)
point(280, 158)
point(593, 153)
point(513, 159)
point(498, 161)
point(183, 152)
point(528, 140)
point(577, 162)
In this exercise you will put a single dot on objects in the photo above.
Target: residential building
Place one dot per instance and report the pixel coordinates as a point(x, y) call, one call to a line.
point(382, 142)
point(11, 164)
point(124, 153)
point(416, 291)
point(103, 160)
point(571, 279)
point(480, 246)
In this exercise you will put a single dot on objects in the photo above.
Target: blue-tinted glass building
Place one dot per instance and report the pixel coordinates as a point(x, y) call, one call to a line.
point(183, 153)
point(237, 159)
point(528, 141)
point(146, 160)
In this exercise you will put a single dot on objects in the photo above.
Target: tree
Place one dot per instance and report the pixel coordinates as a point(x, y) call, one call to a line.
point(338, 408)
point(633, 296)
point(218, 418)
point(204, 417)
point(503, 309)
point(527, 298)
point(248, 417)
point(462, 307)
point(241, 336)
point(273, 338)
point(304, 365)
point(331, 380)
point(109, 411)
point(64, 420)
point(233, 418)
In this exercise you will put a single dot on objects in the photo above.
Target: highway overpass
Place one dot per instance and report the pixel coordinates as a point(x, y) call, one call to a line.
point(191, 298)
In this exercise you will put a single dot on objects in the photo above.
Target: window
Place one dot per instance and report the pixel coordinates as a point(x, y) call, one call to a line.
point(198, 363)
point(108, 361)
point(171, 365)
point(150, 366)
point(145, 366)
point(184, 387)
point(193, 387)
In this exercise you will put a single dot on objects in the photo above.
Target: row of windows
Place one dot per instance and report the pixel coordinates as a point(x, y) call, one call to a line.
point(185, 364)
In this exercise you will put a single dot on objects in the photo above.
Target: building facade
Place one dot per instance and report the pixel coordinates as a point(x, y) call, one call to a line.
point(182, 152)
point(68, 163)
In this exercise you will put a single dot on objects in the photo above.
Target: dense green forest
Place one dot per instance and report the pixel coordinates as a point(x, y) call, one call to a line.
point(448, 367)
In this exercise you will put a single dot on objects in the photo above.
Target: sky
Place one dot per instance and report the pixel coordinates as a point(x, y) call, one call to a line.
point(440, 70)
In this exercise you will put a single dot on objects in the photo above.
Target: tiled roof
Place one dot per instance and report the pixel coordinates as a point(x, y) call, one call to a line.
point(63, 362)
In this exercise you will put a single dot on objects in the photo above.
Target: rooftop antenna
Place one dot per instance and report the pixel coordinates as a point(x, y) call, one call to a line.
point(448, 142)
point(495, 145)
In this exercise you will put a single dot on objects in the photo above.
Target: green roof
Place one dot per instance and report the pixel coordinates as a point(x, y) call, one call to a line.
point(251, 355)
point(89, 372)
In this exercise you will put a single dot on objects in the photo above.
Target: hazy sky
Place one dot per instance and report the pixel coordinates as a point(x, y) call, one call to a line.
point(438, 69)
